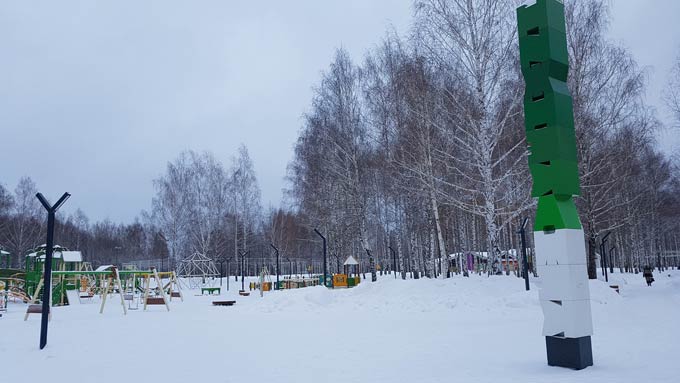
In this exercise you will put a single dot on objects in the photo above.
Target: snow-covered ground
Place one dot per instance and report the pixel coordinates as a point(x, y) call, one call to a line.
point(474, 329)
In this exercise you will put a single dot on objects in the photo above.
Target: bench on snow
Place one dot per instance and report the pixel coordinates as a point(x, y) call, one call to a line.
point(223, 303)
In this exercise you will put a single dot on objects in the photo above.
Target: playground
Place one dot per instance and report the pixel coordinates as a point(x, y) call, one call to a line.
point(471, 328)
point(73, 281)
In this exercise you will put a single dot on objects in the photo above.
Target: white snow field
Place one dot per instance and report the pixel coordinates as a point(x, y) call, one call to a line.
point(475, 329)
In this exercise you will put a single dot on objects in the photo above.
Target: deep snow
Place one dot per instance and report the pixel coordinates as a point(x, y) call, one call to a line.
point(475, 329)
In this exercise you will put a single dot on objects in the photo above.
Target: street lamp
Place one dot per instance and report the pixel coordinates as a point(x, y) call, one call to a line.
point(325, 267)
point(243, 263)
point(221, 262)
point(278, 264)
point(233, 178)
point(228, 272)
point(525, 261)
point(604, 255)
point(51, 213)
point(394, 261)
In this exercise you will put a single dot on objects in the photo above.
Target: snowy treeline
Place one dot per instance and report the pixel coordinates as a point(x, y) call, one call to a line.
point(420, 147)
point(23, 225)
point(200, 205)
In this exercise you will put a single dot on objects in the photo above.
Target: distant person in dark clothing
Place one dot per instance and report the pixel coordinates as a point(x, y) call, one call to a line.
point(647, 274)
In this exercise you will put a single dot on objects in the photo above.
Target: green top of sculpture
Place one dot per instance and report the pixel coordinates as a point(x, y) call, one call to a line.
point(549, 117)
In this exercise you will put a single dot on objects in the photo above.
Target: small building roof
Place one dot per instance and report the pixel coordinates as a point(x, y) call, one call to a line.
point(67, 256)
point(350, 261)
point(72, 256)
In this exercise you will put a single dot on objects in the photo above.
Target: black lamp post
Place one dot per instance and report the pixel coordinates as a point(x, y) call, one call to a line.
point(394, 261)
point(325, 266)
point(604, 256)
point(525, 261)
point(51, 212)
point(221, 262)
point(278, 264)
point(243, 265)
point(228, 272)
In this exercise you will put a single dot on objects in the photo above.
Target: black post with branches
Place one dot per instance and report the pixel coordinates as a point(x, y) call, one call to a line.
point(278, 264)
point(395, 267)
point(603, 248)
point(47, 278)
point(325, 266)
point(243, 265)
point(525, 261)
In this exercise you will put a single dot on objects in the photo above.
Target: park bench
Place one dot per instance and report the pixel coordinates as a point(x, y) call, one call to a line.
point(223, 303)
point(210, 290)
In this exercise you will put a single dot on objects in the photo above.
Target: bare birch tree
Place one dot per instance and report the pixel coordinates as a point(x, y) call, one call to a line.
point(473, 43)
point(606, 86)
point(247, 194)
point(171, 205)
point(23, 231)
point(672, 95)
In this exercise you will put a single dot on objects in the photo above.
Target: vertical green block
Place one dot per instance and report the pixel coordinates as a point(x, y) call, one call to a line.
point(549, 116)
point(556, 212)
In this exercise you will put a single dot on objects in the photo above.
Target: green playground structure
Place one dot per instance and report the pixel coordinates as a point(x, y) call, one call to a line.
point(72, 278)
point(63, 260)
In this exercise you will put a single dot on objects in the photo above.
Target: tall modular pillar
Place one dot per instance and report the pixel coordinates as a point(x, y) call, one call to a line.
point(558, 236)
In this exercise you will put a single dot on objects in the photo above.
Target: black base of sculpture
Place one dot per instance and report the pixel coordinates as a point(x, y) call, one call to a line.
point(575, 353)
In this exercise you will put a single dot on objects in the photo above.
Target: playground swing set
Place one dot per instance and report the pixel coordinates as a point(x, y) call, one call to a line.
point(131, 286)
point(74, 282)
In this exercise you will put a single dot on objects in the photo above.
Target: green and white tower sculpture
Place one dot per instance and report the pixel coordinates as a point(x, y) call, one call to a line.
point(558, 236)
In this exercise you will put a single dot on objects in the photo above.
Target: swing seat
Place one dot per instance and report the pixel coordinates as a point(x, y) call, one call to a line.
point(36, 309)
point(243, 293)
point(175, 294)
point(155, 301)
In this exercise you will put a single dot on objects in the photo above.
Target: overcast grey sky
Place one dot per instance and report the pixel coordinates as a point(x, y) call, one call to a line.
point(97, 96)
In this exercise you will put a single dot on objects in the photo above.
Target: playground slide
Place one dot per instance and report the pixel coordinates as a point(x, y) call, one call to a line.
point(72, 296)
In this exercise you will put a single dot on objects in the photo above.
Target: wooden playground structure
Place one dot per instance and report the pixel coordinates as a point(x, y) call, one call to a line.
point(146, 287)
point(74, 281)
